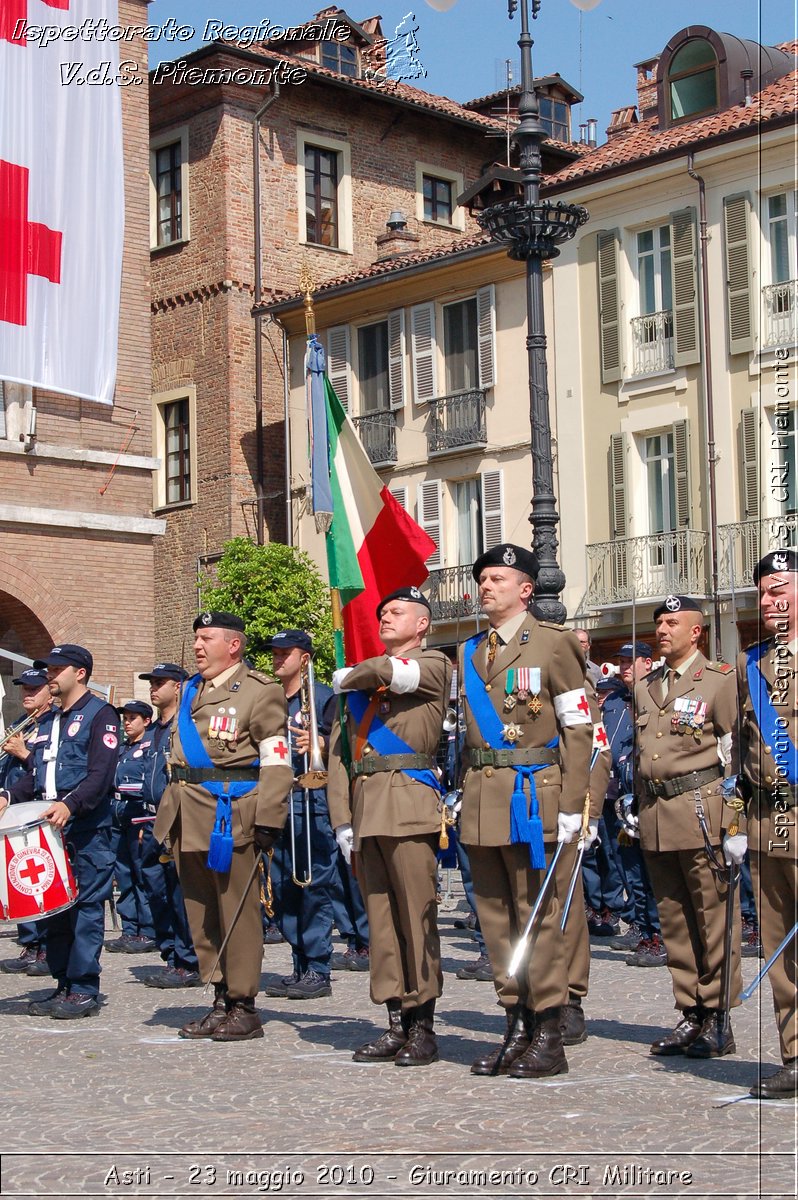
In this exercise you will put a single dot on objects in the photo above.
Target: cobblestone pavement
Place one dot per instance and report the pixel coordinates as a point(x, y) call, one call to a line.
point(118, 1105)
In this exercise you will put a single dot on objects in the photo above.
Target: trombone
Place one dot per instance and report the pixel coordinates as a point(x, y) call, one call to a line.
point(314, 774)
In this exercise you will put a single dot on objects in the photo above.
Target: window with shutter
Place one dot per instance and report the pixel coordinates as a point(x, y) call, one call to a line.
point(339, 363)
point(430, 518)
point(749, 457)
point(618, 520)
point(396, 357)
point(486, 321)
point(400, 496)
point(422, 350)
point(739, 315)
point(492, 504)
point(609, 305)
point(684, 263)
point(681, 454)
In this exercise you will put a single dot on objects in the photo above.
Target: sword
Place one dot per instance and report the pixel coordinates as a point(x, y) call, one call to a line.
point(728, 934)
point(580, 854)
point(782, 946)
point(236, 915)
point(521, 948)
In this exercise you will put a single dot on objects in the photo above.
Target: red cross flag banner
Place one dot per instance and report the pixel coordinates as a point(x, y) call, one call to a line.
point(61, 196)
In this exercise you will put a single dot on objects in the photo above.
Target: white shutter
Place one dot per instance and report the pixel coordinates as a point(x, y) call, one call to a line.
point(422, 350)
point(396, 357)
point(749, 440)
point(430, 517)
point(400, 496)
point(608, 242)
point(339, 363)
point(492, 486)
point(486, 339)
point(684, 273)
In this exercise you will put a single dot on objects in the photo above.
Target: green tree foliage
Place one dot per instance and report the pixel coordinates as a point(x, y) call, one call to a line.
point(273, 587)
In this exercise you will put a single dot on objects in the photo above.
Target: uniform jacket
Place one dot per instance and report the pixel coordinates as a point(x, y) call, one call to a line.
point(257, 704)
point(485, 817)
point(391, 804)
point(771, 813)
point(665, 751)
point(133, 779)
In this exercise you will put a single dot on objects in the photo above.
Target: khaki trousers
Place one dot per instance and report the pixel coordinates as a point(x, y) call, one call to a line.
point(505, 887)
point(576, 935)
point(211, 900)
point(775, 880)
point(398, 877)
point(692, 914)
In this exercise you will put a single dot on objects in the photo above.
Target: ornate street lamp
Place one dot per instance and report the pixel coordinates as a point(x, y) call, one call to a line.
point(532, 230)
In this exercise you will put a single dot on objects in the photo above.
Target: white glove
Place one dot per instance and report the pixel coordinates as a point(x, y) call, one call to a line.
point(345, 838)
point(734, 848)
point(592, 833)
point(339, 678)
point(568, 826)
point(632, 825)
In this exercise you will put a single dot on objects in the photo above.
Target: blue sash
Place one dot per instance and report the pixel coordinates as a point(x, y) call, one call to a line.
point(385, 741)
point(768, 719)
point(525, 822)
point(220, 851)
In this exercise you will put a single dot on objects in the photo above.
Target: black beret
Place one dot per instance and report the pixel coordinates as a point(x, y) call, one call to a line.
point(165, 670)
point(508, 555)
point(219, 620)
point(288, 639)
point(676, 604)
point(31, 678)
point(776, 563)
point(413, 594)
point(66, 655)
point(136, 706)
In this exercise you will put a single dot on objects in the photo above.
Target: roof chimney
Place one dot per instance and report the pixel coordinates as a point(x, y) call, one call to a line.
point(591, 132)
point(622, 119)
point(647, 87)
point(396, 241)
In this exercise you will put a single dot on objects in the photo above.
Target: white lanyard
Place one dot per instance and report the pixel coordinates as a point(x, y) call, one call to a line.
point(50, 758)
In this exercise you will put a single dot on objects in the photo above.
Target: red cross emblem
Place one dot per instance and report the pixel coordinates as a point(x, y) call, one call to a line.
point(32, 870)
point(12, 12)
point(601, 736)
point(583, 706)
point(282, 750)
point(28, 248)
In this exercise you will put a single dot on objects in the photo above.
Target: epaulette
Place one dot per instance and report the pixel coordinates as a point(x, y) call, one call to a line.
point(721, 667)
point(261, 677)
point(761, 642)
point(554, 625)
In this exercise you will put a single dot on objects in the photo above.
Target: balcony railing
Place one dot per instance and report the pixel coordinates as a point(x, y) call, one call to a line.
point(647, 567)
point(452, 593)
point(457, 421)
point(780, 327)
point(652, 343)
point(743, 543)
point(377, 432)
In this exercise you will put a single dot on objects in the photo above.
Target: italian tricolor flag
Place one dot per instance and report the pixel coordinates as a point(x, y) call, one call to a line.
point(373, 545)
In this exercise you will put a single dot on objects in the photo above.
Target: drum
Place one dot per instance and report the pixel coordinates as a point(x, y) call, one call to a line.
point(36, 877)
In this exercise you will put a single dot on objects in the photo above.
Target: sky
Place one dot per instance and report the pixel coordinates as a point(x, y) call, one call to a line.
point(464, 49)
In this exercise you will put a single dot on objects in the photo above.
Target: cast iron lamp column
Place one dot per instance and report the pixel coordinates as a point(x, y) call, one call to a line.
point(531, 230)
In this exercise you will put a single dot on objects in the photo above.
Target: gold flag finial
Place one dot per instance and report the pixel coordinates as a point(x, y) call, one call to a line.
point(306, 285)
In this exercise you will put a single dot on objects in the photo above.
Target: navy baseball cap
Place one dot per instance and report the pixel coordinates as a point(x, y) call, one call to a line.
point(413, 594)
point(777, 562)
point(31, 678)
point(289, 639)
point(635, 650)
point(166, 671)
point(66, 655)
point(218, 620)
point(136, 706)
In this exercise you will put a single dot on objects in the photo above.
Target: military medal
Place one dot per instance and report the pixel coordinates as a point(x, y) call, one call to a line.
point(522, 691)
point(509, 686)
point(213, 727)
point(512, 732)
point(534, 703)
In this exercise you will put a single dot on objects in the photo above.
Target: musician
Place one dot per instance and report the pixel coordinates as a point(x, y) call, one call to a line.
point(529, 738)
point(157, 863)
point(766, 683)
point(391, 817)
point(229, 781)
point(128, 810)
point(74, 759)
point(685, 713)
point(304, 914)
point(15, 759)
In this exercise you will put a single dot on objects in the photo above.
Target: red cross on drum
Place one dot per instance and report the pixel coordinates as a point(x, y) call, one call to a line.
point(36, 877)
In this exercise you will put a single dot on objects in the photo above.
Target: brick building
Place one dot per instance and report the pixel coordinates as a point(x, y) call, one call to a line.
point(76, 525)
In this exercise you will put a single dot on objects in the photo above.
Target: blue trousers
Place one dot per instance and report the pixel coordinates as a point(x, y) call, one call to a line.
point(165, 898)
point(305, 914)
point(349, 907)
point(603, 877)
point(126, 842)
point(75, 936)
point(468, 887)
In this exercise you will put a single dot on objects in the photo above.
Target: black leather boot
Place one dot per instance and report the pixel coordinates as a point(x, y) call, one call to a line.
point(781, 1086)
point(545, 1055)
point(241, 1022)
point(520, 1022)
point(713, 1040)
point(204, 1027)
point(685, 1033)
point(572, 1022)
point(385, 1047)
point(421, 1048)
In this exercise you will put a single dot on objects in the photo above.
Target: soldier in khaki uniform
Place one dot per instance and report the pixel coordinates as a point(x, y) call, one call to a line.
point(391, 817)
point(528, 726)
point(230, 738)
point(685, 715)
point(770, 769)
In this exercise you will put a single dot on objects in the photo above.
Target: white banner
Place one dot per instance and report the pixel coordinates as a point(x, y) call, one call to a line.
point(61, 195)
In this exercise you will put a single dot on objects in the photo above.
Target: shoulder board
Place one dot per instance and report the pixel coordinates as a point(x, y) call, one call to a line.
point(553, 625)
point(656, 673)
point(722, 667)
point(261, 677)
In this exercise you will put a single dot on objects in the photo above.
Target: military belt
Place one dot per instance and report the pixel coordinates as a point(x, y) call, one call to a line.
point(532, 756)
point(214, 774)
point(375, 764)
point(668, 788)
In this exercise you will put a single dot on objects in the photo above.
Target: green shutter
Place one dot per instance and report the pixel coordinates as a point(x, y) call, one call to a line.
point(739, 315)
point(607, 244)
point(684, 268)
point(681, 454)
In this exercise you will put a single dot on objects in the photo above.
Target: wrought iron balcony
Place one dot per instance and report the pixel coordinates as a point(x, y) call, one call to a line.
point(377, 432)
point(742, 544)
point(652, 343)
point(779, 308)
point(457, 421)
point(647, 567)
point(452, 593)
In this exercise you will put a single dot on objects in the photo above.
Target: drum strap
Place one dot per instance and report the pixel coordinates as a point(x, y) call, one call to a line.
point(50, 759)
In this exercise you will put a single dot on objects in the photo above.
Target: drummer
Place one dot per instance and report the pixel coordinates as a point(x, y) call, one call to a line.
point(74, 759)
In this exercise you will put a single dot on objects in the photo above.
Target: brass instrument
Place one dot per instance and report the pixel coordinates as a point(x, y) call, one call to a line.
point(24, 728)
point(314, 774)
